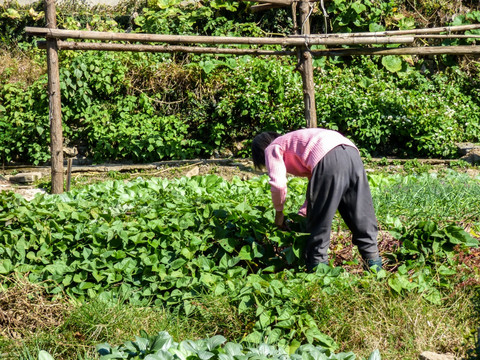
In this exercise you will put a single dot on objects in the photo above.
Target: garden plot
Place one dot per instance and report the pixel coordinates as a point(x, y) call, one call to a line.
point(204, 250)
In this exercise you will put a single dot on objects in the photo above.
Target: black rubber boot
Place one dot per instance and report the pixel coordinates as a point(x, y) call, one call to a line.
point(311, 267)
point(373, 264)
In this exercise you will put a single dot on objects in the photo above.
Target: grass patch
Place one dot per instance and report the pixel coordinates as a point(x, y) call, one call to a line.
point(359, 318)
point(446, 198)
point(19, 67)
point(401, 327)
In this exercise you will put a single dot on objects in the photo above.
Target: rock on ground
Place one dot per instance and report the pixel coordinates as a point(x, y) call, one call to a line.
point(428, 355)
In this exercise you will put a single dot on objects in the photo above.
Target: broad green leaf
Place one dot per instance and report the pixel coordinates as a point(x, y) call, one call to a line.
point(255, 337)
point(43, 355)
point(215, 341)
point(375, 355)
point(103, 349)
point(12, 13)
point(358, 7)
point(392, 63)
point(6, 266)
point(374, 27)
point(164, 355)
point(434, 296)
point(233, 349)
point(246, 253)
point(153, 357)
point(345, 356)
point(207, 66)
point(321, 339)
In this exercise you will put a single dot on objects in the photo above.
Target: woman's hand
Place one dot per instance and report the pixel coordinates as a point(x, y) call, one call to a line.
point(280, 221)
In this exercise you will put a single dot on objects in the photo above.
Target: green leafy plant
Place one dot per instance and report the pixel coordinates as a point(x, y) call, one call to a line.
point(162, 346)
point(426, 243)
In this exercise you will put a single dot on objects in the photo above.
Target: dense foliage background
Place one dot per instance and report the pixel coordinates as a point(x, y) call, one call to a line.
point(148, 107)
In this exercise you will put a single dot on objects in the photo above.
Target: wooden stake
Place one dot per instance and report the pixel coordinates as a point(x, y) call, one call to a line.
point(55, 107)
point(305, 66)
point(69, 173)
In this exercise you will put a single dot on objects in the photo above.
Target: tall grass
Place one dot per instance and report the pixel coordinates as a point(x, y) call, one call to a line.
point(448, 197)
point(359, 318)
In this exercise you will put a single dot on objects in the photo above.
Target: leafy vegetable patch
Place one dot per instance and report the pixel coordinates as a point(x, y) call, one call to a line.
point(169, 243)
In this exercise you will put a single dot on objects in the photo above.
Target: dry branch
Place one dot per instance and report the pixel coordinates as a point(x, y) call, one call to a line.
point(190, 39)
point(447, 36)
point(266, 6)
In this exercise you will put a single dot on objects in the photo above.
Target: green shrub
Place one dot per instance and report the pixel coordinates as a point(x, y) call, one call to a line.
point(24, 123)
point(256, 94)
point(120, 133)
point(408, 114)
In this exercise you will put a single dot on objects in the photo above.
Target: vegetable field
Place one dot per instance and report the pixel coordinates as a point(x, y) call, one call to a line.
point(199, 258)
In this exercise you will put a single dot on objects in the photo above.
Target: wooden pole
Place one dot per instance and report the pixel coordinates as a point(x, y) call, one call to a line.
point(305, 66)
point(69, 173)
point(427, 31)
point(265, 6)
point(55, 107)
point(71, 45)
point(422, 51)
point(428, 50)
point(218, 40)
point(277, 2)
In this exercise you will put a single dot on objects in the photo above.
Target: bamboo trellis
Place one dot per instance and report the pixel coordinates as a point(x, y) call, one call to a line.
point(300, 44)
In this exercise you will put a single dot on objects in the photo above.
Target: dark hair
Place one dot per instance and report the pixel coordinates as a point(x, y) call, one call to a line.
point(259, 144)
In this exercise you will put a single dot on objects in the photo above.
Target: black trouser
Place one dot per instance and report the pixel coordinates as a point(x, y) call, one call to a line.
point(339, 182)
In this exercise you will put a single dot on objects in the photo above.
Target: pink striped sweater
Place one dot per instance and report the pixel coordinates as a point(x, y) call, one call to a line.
point(297, 153)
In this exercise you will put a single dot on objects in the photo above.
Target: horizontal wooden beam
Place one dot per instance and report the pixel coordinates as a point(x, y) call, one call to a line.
point(434, 50)
point(437, 30)
point(217, 40)
point(453, 36)
point(277, 2)
point(421, 51)
point(71, 45)
point(266, 6)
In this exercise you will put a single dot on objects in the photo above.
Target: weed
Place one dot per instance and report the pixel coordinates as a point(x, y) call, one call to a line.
point(116, 175)
point(460, 165)
point(414, 166)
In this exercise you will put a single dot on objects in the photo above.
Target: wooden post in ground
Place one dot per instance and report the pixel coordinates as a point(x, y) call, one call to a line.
point(55, 108)
point(305, 66)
